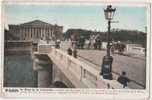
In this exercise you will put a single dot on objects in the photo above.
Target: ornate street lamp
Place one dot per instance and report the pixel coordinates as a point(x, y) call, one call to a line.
point(109, 12)
point(106, 67)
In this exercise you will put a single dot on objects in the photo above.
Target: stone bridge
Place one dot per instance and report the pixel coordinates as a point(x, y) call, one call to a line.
point(55, 68)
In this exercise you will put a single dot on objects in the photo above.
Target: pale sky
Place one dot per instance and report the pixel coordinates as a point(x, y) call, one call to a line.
point(90, 17)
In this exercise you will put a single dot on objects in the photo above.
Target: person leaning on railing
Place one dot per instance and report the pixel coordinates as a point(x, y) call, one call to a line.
point(123, 79)
point(69, 51)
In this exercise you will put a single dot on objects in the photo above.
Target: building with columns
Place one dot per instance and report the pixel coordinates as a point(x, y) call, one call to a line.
point(36, 30)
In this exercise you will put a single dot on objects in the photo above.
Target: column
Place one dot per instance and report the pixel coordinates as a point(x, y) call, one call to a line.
point(20, 31)
point(48, 32)
point(44, 33)
point(16, 31)
point(24, 35)
point(51, 32)
point(30, 29)
point(32, 32)
point(41, 33)
point(36, 33)
point(47, 38)
point(27, 33)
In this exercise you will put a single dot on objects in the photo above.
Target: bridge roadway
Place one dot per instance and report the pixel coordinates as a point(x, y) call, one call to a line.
point(134, 67)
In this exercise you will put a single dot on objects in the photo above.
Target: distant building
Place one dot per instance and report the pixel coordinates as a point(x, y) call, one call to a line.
point(36, 30)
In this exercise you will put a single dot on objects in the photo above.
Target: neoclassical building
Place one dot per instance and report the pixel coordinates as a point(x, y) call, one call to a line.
point(36, 30)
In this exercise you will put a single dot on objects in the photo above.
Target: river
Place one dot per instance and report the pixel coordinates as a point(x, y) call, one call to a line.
point(18, 71)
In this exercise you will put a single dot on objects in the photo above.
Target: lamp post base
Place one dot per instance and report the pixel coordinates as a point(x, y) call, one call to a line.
point(107, 76)
point(106, 67)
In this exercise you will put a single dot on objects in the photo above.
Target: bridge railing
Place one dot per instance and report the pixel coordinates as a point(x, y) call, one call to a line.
point(45, 48)
point(84, 73)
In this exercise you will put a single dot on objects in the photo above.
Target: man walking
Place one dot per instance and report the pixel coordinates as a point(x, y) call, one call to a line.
point(123, 79)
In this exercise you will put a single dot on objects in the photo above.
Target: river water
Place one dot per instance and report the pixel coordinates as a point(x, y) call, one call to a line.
point(18, 71)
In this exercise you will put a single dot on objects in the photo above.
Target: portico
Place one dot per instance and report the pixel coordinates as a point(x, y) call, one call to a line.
point(36, 30)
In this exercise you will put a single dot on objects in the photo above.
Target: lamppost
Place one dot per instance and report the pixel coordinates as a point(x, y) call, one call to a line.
point(75, 46)
point(106, 67)
point(145, 43)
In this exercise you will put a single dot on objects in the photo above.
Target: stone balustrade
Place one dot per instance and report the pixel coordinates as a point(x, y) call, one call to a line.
point(83, 72)
point(78, 72)
point(45, 48)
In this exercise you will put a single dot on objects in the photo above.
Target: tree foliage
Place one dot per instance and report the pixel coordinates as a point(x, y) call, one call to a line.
point(127, 36)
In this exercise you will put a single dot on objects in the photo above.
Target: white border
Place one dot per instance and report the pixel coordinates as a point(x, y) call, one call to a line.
point(122, 94)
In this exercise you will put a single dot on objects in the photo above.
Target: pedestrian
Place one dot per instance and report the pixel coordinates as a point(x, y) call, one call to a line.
point(89, 44)
point(94, 43)
point(69, 51)
point(58, 44)
point(75, 53)
point(123, 79)
point(99, 44)
point(112, 49)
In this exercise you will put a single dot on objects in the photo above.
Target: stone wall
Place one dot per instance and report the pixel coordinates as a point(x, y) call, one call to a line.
point(17, 47)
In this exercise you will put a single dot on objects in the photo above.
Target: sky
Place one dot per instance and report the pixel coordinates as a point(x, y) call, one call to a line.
point(90, 17)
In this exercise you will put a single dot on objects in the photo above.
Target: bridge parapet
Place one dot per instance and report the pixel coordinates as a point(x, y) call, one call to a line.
point(79, 73)
point(45, 48)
